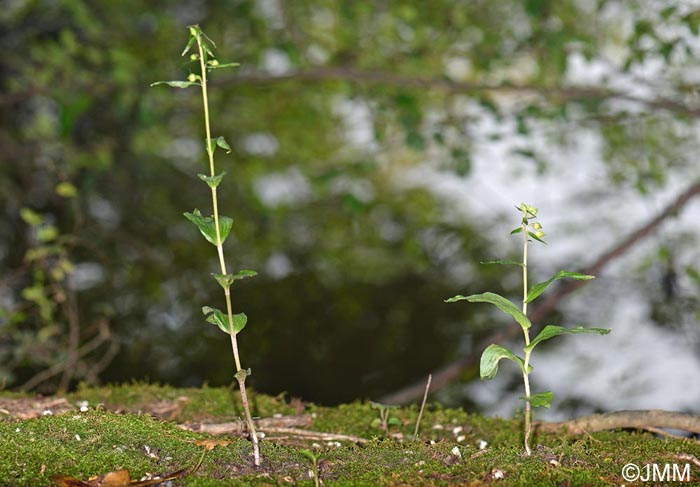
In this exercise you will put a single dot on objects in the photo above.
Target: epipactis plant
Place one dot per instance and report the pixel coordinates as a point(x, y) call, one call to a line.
point(530, 229)
point(216, 228)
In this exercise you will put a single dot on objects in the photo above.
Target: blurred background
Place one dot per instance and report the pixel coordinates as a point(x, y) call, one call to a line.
point(378, 150)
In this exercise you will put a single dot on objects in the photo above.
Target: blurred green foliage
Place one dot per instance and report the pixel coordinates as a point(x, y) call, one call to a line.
point(334, 103)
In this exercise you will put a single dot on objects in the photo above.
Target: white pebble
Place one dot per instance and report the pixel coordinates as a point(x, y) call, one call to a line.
point(483, 444)
point(455, 451)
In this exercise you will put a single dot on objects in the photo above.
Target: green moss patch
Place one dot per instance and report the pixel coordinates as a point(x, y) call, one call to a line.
point(453, 447)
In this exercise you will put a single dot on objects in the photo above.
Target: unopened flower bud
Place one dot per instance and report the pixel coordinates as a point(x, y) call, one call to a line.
point(192, 78)
point(194, 57)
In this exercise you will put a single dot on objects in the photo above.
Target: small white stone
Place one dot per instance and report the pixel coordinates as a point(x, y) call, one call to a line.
point(277, 415)
point(16, 430)
point(315, 445)
point(77, 437)
point(455, 451)
point(47, 412)
point(483, 444)
point(457, 430)
point(461, 438)
point(260, 434)
point(438, 427)
point(497, 473)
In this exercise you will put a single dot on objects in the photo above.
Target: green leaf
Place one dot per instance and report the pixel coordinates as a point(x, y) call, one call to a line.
point(189, 44)
point(551, 331)
point(503, 262)
point(66, 189)
point(535, 237)
point(540, 400)
point(220, 319)
point(239, 322)
point(216, 317)
point(30, 217)
point(226, 65)
point(454, 299)
point(490, 358)
point(212, 181)
point(175, 84)
point(516, 230)
point(206, 226)
point(225, 280)
point(538, 288)
point(503, 304)
point(221, 142)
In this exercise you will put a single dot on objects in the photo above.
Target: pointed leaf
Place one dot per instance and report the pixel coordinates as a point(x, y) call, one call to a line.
point(189, 44)
point(212, 181)
point(220, 319)
point(540, 400)
point(454, 299)
point(503, 304)
point(221, 142)
point(242, 274)
point(503, 262)
point(175, 84)
point(535, 237)
point(516, 230)
point(206, 226)
point(216, 317)
point(225, 280)
point(239, 321)
point(538, 288)
point(551, 331)
point(226, 65)
point(488, 366)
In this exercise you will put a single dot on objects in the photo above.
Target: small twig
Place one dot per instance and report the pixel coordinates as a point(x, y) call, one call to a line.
point(688, 458)
point(102, 337)
point(422, 407)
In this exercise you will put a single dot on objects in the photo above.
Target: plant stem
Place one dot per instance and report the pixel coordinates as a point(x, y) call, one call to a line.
point(526, 374)
point(240, 373)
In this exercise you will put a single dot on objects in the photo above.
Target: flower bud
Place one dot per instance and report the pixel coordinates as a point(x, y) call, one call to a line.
point(192, 78)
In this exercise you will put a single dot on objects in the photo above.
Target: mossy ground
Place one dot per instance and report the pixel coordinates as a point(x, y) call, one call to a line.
point(118, 431)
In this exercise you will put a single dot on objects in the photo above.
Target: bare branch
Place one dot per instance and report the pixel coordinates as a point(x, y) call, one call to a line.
point(562, 92)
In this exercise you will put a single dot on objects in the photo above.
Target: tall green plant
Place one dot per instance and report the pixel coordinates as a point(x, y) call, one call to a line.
point(530, 229)
point(216, 228)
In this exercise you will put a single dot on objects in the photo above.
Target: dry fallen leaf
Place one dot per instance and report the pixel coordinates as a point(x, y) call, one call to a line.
point(118, 478)
point(210, 444)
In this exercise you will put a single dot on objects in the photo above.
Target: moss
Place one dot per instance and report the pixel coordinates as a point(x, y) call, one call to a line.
point(84, 444)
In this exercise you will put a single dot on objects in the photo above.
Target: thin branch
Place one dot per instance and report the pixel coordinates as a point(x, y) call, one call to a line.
point(422, 407)
point(644, 419)
point(360, 76)
point(453, 370)
point(103, 336)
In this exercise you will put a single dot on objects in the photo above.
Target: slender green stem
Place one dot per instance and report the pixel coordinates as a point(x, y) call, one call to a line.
point(240, 373)
point(526, 375)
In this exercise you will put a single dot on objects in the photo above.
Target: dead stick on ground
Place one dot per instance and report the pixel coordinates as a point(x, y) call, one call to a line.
point(453, 370)
point(643, 419)
point(422, 407)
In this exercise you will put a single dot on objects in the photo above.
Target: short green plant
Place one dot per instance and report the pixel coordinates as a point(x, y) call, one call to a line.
point(313, 458)
point(530, 229)
point(384, 420)
point(216, 228)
